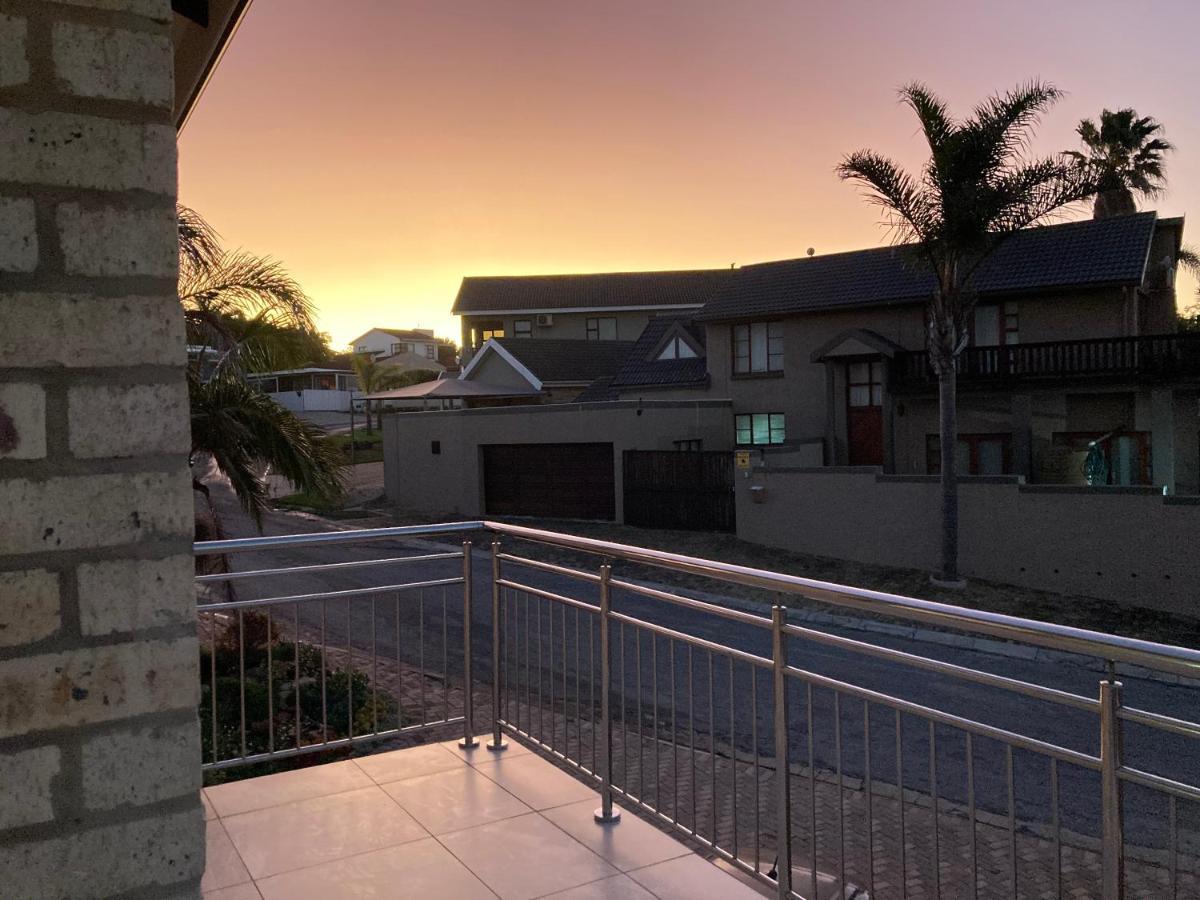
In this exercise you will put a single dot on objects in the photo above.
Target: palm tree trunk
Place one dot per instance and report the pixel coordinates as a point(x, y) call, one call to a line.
point(948, 415)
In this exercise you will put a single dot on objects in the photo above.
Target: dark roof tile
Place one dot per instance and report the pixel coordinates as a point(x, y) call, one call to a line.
point(602, 290)
point(640, 370)
point(1076, 254)
point(555, 359)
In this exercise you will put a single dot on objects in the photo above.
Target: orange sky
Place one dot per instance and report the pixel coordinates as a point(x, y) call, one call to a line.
point(382, 149)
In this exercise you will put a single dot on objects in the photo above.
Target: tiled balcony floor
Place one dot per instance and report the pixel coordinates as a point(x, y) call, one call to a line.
point(436, 821)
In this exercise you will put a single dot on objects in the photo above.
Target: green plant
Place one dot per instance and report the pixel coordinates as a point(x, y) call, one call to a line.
point(333, 702)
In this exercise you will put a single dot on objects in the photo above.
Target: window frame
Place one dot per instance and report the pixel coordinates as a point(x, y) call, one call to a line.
point(776, 423)
point(973, 440)
point(772, 333)
point(592, 328)
point(522, 328)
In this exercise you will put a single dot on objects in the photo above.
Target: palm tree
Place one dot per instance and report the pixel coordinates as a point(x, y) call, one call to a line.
point(246, 313)
point(977, 188)
point(1126, 156)
point(372, 378)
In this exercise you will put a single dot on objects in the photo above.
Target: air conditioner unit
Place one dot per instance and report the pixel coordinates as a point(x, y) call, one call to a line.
point(545, 320)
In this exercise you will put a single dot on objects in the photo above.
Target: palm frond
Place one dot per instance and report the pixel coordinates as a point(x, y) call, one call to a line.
point(249, 435)
point(199, 243)
point(911, 213)
point(239, 284)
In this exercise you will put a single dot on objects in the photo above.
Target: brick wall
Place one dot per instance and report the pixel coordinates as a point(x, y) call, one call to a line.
point(99, 743)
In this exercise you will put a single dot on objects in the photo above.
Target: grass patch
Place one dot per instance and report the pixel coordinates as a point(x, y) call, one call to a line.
point(368, 445)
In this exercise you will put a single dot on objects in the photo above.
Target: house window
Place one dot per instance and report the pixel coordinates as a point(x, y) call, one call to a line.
point(865, 383)
point(402, 348)
point(996, 324)
point(523, 328)
point(430, 351)
point(484, 331)
point(759, 428)
point(757, 348)
point(693, 445)
point(602, 329)
point(677, 348)
point(975, 454)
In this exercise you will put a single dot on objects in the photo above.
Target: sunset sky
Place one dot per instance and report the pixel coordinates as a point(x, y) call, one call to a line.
point(383, 149)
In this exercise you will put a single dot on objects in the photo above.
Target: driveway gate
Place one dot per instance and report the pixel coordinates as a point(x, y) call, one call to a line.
point(686, 489)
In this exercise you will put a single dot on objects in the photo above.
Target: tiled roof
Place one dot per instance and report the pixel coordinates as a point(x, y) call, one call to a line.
point(598, 390)
point(606, 289)
point(554, 359)
point(407, 334)
point(640, 369)
point(1076, 254)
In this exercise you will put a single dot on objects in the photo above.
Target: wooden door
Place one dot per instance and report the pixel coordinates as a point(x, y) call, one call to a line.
point(864, 413)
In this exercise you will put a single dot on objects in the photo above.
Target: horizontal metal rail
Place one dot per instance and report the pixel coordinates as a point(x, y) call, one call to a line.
point(1037, 691)
point(724, 612)
point(1163, 657)
point(713, 646)
point(324, 746)
point(550, 567)
point(327, 595)
point(548, 595)
point(323, 567)
point(1064, 754)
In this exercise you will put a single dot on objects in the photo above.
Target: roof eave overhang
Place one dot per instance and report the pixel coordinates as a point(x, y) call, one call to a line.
point(541, 310)
point(201, 31)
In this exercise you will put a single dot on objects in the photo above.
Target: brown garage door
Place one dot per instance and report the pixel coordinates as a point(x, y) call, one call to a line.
point(563, 481)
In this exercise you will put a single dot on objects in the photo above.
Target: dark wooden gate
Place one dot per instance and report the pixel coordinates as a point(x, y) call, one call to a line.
point(687, 489)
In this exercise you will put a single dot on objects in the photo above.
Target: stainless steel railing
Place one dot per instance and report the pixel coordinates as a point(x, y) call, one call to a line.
point(809, 759)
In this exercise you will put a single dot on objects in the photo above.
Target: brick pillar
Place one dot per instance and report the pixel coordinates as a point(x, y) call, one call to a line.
point(99, 742)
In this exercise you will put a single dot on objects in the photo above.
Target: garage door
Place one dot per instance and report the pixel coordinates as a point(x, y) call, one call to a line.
point(562, 481)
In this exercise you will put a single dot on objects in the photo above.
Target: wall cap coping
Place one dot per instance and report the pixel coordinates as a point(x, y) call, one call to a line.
point(595, 406)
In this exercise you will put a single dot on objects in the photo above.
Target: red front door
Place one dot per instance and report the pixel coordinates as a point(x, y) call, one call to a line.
point(864, 413)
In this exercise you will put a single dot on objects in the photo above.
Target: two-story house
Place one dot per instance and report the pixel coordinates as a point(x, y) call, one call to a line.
point(610, 306)
point(404, 348)
point(1072, 342)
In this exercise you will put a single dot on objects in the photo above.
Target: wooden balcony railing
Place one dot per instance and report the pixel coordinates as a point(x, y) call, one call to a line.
point(1156, 357)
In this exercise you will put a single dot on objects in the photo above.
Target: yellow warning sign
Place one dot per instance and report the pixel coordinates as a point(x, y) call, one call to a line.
point(742, 459)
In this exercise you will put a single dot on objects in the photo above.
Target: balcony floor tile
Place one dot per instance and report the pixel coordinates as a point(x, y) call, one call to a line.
point(537, 783)
point(330, 832)
point(286, 787)
point(422, 869)
point(323, 829)
point(526, 857)
point(452, 801)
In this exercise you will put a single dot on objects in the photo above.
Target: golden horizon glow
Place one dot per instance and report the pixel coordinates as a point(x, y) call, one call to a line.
point(382, 151)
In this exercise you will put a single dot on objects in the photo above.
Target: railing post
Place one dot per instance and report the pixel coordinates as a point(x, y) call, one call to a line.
point(1113, 834)
point(783, 798)
point(497, 743)
point(468, 741)
point(606, 813)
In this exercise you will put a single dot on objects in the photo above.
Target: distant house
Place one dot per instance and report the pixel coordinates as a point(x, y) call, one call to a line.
point(1072, 354)
point(309, 389)
point(405, 348)
point(613, 306)
point(1072, 342)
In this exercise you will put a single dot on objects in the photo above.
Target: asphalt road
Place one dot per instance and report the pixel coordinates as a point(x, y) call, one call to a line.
point(1170, 755)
